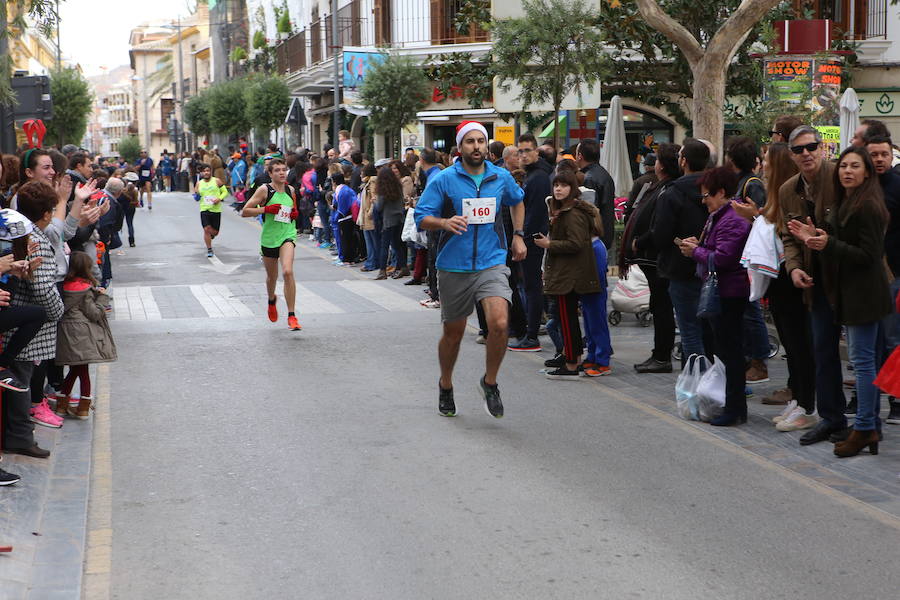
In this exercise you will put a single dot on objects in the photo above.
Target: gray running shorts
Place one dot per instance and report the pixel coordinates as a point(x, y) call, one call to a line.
point(460, 291)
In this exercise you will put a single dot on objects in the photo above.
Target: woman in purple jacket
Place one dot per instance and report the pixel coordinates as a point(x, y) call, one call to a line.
point(723, 239)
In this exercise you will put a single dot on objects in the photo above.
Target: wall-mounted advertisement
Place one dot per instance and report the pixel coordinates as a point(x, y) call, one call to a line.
point(813, 80)
point(354, 67)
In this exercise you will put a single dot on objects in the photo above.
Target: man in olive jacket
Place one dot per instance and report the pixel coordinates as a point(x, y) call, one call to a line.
point(810, 195)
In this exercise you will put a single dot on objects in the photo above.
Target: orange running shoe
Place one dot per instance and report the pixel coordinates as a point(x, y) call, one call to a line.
point(273, 312)
point(293, 325)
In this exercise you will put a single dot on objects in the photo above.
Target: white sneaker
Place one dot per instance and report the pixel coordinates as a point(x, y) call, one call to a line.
point(798, 419)
point(786, 412)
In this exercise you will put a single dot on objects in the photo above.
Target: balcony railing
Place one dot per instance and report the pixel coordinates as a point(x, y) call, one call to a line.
point(415, 28)
point(876, 19)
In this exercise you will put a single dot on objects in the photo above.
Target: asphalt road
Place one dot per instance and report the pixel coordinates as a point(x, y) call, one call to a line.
point(249, 461)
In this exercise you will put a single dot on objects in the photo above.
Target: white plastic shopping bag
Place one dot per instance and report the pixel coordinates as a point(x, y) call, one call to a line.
point(408, 234)
point(711, 391)
point(686, 387)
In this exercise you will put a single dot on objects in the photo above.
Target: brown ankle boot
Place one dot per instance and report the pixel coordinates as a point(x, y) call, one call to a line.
point(382, 274)
point(83, 410)
point(757, 373)
point(856, 442)
point(62, 405)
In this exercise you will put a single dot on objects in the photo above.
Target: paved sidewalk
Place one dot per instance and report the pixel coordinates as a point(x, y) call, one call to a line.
point(44, 516)
point(874, 480)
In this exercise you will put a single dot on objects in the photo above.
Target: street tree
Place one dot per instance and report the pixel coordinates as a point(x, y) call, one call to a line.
point(196, 114)
point(130, 148)
point(227, 108)
point(554, 49)
point(394, 90)
point(709, 57)
point(72, 104)
point(268, 100)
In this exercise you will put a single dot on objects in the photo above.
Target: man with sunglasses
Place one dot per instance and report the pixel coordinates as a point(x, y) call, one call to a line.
point(807, 197)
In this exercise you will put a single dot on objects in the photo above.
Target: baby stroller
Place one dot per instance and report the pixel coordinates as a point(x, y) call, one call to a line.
point(631, 295)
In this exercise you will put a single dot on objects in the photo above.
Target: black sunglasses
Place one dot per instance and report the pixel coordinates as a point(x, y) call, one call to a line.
point(775, 133)
point(811, 147)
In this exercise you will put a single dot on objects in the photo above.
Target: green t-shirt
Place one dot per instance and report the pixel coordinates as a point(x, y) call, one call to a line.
point(209, 190)
point(275, 231)
point(477, 179)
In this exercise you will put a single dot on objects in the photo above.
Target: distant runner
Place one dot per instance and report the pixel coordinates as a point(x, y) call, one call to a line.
point(144, 167)
point(211, 192)
point(277, 202)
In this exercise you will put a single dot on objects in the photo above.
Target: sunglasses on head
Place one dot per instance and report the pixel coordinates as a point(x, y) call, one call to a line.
point(775, 133)
point(811, 147)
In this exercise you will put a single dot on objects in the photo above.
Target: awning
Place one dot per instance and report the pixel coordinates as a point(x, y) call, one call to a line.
point(549, 129)
point(295, 114)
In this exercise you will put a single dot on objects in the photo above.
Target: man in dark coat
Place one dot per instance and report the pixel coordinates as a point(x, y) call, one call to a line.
point(598, 179)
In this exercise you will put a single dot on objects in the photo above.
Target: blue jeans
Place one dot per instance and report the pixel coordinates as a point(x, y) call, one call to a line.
point(830, 400)
point(593, 309)
point(553, 330)
point(685, 294)
point(324, 212)
point(756, 335)
point(861, 340)
point(373, 248)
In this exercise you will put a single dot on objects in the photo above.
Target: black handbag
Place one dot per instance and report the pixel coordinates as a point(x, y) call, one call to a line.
point(710, 305)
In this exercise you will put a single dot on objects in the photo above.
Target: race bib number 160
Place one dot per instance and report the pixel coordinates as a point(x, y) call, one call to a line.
point(479, 211)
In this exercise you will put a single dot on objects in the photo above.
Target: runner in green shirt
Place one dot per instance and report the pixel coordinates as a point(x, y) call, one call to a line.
point(276, 203)
point(211, 192)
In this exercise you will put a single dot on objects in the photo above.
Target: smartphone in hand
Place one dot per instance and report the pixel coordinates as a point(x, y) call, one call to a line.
point(678, 241)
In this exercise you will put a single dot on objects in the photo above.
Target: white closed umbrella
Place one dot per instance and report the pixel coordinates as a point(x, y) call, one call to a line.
point(849, 121)
point(614, 156)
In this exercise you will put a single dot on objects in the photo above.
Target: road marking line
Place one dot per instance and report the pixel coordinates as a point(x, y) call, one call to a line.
point(208, 304)
point(309, 302)
point(228, 298)
point(380, 295)
point(96, 581)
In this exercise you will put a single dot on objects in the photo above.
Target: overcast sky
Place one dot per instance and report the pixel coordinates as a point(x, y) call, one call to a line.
point(96, 34)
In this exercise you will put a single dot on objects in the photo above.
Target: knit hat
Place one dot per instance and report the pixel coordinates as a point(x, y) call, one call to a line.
point(465, 127)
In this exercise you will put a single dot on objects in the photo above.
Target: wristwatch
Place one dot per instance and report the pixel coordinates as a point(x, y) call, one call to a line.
point(520, 233)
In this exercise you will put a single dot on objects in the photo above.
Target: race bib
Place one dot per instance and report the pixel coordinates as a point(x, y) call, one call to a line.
point(209, 199)
point(284, 214)
point(479, 211)
point(145, 173)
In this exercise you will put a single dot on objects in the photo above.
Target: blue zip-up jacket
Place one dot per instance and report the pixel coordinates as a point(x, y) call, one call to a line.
point(481, 246)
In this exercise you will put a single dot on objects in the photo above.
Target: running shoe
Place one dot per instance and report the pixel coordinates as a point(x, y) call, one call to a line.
point(492, 402)
point(798, 419)
point(524, 345)
point(209, 253)
point(9, 381)
point(293, 325)
point(786, 412)
point(562, 374)
point(557, 361)
point(7, 478)
point(272, 310)
point(446, 405)
point(595, 370)
point(431, 303)
point(40, 414)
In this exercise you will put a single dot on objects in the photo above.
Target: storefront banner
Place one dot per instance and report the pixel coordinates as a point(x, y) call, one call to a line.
point(879, 103)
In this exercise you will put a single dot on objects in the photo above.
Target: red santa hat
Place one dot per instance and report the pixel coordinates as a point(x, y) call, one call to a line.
point(465, 127)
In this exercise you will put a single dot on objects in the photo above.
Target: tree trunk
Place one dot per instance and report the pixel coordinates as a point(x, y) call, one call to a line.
point(709, 98)
point(709, 66)
point(557, 102)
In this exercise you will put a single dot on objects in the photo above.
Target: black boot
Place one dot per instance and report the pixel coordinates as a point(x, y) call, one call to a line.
point(894, 415)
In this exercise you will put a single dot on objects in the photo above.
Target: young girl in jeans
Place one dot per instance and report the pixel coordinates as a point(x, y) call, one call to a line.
point(84, 337)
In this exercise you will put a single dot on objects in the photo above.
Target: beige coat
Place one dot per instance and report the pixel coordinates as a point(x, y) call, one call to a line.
point(84, 336)
point(367, 207)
